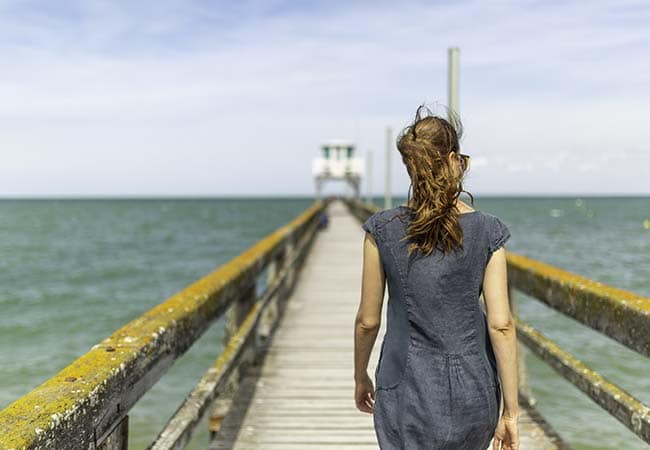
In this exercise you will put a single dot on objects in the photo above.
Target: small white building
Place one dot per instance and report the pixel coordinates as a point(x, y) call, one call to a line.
point(338, 163)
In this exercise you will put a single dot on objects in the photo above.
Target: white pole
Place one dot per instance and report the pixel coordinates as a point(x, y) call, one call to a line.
point(454, 54)
point(387, 197)
point(369, 170)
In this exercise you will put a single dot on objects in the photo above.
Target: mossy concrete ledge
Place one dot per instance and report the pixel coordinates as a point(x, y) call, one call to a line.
point(81, 404)
point(617, 313)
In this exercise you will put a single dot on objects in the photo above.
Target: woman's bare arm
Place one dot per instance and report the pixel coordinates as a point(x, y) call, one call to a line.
point(501, 328)
point(367, 321)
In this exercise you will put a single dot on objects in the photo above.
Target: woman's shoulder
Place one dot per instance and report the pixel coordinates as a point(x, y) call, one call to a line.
point(386, 216)
point(377, 221)
point(492, 219)
point(497, 231)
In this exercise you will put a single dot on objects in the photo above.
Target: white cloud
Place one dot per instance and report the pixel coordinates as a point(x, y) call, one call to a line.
point(214, 97)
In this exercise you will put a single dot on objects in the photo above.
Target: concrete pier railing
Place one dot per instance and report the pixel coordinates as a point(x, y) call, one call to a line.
point(86, 405)
point(616, 313)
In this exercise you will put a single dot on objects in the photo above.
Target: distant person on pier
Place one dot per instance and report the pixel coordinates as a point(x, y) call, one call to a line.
point(447, 357)
point(323, 220)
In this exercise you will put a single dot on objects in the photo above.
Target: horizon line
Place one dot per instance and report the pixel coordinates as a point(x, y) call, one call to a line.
point(304, 196)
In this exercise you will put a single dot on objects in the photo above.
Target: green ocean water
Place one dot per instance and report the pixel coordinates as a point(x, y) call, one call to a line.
point(73, 271)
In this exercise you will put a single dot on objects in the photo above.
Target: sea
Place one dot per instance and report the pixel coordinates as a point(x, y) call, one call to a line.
point(72, 271)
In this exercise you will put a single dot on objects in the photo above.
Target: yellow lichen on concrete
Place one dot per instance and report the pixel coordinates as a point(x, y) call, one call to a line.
point(43, 409)
point(622, 315)
point(576, 282)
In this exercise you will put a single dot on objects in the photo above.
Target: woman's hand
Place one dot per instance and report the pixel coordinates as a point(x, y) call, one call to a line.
point(364, 395)
point(506, 435)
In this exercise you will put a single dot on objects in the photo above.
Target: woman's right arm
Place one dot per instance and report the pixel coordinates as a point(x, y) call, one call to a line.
point(501, 329)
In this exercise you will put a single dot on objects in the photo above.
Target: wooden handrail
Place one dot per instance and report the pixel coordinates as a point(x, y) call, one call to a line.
point(629, 410)
point(617, 313)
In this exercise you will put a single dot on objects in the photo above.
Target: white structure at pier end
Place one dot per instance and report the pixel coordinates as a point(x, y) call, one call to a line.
point(337, 162)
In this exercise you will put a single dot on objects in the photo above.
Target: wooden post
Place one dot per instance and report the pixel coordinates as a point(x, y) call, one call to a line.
point(234, 317)
point(118, 439)
point(270, 314)
point(289, 264)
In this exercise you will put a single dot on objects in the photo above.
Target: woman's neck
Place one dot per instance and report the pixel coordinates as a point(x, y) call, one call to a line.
point(461, 206)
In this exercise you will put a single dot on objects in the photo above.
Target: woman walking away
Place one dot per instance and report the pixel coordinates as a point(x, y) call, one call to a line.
point(447, 356)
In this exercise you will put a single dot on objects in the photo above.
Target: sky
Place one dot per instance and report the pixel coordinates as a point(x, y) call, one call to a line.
point(198, 98)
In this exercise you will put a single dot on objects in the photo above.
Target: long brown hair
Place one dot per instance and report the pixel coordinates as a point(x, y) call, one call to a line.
point(425, 145)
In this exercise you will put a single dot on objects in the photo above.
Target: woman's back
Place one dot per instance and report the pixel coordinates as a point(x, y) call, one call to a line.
point(436, 381)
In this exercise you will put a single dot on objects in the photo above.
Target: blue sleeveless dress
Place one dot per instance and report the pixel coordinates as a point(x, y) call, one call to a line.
point(436, 383)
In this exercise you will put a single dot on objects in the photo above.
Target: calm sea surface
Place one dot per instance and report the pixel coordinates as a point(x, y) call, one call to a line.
point(73, 271)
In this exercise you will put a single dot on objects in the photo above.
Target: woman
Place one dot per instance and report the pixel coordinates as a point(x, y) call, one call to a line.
point(444, 362)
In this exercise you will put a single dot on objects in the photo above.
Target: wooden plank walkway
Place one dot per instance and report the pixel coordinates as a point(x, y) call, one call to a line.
point(301, 397)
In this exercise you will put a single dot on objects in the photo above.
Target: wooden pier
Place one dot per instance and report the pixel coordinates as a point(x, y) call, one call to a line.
point(302, 396)
point(284, 378)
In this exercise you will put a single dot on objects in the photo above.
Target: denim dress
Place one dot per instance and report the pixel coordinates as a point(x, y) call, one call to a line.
point(436, 383)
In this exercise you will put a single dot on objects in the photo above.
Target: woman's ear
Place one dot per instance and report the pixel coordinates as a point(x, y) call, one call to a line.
point(451, 157)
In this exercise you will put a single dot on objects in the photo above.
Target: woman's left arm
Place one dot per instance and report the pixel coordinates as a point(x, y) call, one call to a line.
point(367, 322)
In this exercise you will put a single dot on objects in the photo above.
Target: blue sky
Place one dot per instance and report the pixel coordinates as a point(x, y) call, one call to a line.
point(234, 98)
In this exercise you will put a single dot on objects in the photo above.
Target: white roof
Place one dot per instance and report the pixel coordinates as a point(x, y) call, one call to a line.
point(338, 143)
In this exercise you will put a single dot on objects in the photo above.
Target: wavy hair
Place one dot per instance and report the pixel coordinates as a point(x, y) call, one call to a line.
point(436, 181)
